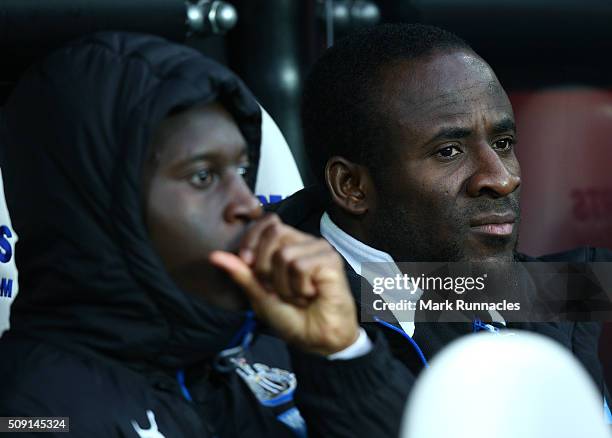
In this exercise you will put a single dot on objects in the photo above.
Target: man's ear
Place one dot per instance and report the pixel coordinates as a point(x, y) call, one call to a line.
point(349, 185)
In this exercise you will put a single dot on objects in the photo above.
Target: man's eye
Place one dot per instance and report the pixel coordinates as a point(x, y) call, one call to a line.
point(504, 144)
point(202, 178)
point(449, 152)
point(243, 170)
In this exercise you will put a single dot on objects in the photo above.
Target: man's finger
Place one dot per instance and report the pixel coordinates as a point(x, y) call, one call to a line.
point(276, 237)
point(268, 306)
point(250, 241)
point(291, 274)
point(272, 238)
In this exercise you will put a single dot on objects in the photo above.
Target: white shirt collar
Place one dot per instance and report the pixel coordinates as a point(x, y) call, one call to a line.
point(354, 251)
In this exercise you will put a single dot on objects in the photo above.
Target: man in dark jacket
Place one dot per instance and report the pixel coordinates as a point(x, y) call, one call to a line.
point(412, 138)
point(127, 160)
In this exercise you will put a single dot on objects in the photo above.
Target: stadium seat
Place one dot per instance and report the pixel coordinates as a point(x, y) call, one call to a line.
point(9, 285)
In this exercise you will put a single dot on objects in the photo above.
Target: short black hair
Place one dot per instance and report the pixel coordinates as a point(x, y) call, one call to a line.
point(339, 109)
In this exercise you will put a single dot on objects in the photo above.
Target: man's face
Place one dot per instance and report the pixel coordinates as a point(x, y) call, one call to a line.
point(450, 188)
point(196, 199)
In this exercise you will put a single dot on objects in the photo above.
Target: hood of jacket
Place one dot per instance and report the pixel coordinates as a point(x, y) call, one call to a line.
point(74, 136)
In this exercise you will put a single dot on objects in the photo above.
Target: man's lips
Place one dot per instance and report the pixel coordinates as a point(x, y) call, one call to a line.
point(494, 224)
point(495, 229)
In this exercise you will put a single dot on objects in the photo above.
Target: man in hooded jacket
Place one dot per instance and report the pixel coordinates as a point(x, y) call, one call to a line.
point(127, 161)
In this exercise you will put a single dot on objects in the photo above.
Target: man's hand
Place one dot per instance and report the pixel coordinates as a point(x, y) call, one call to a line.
point(296, 284)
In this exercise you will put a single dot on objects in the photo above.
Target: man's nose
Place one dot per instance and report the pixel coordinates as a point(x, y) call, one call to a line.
point(242, 205)
point(494, 175)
